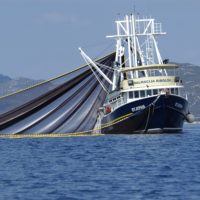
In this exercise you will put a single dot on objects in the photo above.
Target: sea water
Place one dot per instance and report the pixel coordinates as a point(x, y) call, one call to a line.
point(110, 167)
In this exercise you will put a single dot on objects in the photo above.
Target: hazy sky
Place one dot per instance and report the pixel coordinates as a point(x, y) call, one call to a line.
point(39, 39)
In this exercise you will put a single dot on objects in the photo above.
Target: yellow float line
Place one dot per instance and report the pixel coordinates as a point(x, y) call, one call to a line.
point(118, 118)
point(48, 136)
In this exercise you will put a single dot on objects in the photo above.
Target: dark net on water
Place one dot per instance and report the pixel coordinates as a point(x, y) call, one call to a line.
point(65, 104)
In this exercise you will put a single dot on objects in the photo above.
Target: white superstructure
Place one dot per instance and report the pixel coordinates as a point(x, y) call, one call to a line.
point(136, 39)
point(139, 70)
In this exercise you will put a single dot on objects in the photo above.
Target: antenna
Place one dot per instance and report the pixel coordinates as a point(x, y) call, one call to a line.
point(134, 7)
point(135, 12)
point(118, 15)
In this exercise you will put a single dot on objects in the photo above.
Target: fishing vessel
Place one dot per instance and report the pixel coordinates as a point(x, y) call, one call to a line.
point(145, 93)
point(131, 90)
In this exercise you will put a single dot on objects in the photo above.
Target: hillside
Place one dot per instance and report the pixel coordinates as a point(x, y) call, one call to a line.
point(4, 79)
point(189, 74)
point(8, 85)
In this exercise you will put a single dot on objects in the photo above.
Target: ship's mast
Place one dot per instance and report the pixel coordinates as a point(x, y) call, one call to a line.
point(138, 36)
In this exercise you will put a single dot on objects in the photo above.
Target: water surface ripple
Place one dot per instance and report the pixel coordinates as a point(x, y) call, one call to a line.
point(119, 167)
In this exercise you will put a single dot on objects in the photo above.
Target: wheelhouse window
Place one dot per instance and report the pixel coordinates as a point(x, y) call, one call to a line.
point(130, 95)
point(155, 92)
point(176, 91)
point(136, 93)
point(130, 82)
point(161, 91)
point(142, 93)
point(148, 92)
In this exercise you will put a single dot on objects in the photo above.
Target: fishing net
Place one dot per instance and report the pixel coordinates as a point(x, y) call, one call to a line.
point(65, 104)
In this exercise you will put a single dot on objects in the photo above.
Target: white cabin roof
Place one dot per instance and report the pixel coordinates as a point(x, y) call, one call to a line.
point(146, 67)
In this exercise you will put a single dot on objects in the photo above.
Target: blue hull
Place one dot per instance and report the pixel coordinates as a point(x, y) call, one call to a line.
point(167, 115)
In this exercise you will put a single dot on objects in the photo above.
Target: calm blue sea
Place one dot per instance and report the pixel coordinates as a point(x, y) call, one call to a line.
point(111, 167)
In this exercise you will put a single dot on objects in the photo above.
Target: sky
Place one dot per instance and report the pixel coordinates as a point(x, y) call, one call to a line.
point(39, 39)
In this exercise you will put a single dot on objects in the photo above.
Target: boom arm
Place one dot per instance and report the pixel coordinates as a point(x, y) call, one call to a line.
point(89, 60)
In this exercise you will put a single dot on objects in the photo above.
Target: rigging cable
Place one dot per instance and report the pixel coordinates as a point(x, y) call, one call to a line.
point(101, 83)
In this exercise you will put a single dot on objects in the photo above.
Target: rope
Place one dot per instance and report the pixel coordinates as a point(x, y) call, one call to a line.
point(151, 106)
point(105, 66)
point(95, 74)
point(48, 136)
point(101, 83)
point(53, 78)
point(150, 113)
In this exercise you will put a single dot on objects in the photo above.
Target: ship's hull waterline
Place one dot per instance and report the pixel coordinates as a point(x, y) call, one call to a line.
point(166, 115)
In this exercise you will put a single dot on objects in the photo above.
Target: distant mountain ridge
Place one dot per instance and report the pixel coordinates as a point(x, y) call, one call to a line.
point(189, 73)
point(4, 79)
point(9, 85)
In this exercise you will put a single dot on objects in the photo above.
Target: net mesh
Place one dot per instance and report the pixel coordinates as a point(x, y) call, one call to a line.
point(65, 104)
